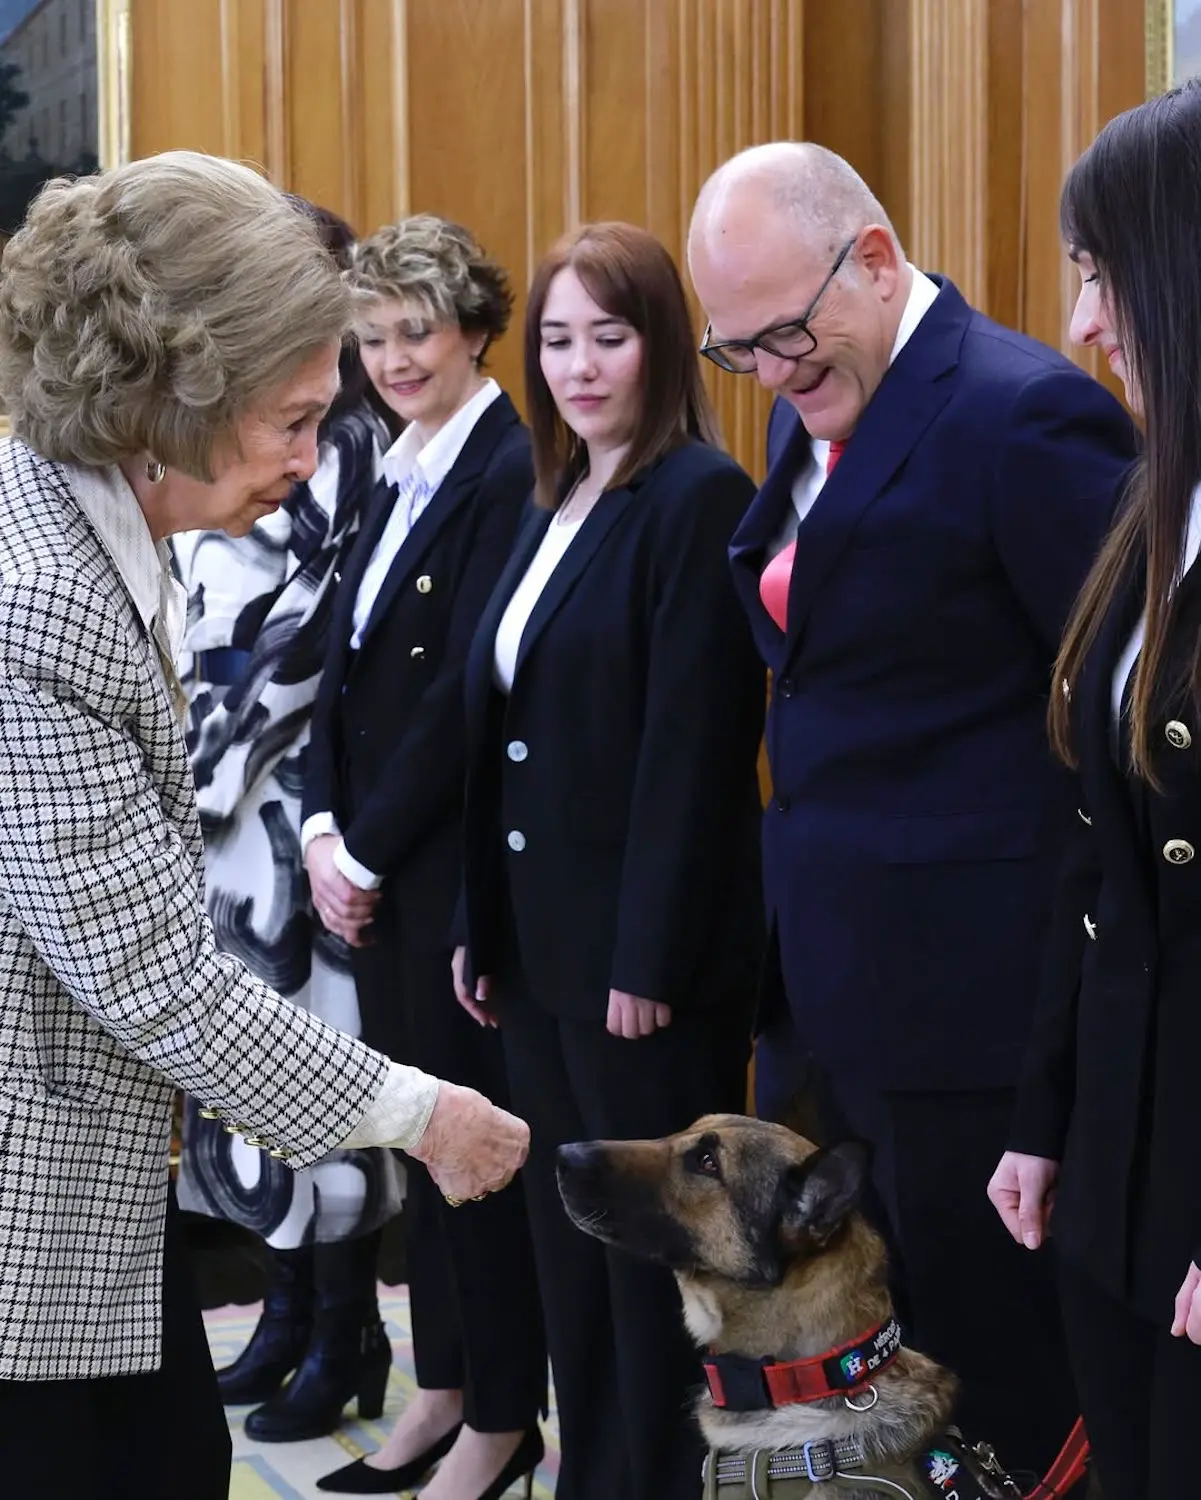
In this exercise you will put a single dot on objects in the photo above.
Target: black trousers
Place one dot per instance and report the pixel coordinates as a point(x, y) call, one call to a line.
point(159, 1436)
point(967, 1294)
point(473, 1293)
point(1140, 1391)
point(625, 1370)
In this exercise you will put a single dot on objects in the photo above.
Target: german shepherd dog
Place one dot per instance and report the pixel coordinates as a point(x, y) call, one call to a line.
point(775, 1266)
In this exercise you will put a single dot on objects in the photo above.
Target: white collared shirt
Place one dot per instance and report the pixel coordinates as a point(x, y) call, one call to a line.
point(105, 497)
point(807, 485)
point(434, 460)
point(1125, 663)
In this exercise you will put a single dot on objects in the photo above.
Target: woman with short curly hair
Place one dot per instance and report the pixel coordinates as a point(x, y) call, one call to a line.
point(169, 338)
point(383, 809)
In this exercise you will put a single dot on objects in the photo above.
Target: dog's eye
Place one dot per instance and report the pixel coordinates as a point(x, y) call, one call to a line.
point(703, 1162)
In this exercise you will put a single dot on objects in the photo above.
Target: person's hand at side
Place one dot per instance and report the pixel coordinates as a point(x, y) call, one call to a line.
point(1022, 1191)
point(1187, 1321)
point(470, 1147)
point(631, 1016)
point(476, 1005)
point(344, 908)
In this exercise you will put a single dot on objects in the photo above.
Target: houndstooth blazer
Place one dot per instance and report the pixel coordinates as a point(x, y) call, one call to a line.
point(112, 991)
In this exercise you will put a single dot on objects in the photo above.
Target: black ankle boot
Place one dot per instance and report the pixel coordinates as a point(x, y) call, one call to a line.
point(281, 1335)
point(349, 1355)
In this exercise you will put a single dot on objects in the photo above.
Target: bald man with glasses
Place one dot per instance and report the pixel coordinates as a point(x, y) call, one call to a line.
point(938, 486)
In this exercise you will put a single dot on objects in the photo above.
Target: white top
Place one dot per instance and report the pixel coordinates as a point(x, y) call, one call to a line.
point(1125, 664)
point(401, 1110)
point(516, 617)
point(807, 485)
point(418, 471)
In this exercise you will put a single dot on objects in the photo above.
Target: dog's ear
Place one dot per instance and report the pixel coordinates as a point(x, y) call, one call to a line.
point(820, 1192)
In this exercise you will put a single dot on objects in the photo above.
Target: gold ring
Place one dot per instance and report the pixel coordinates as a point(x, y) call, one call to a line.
point(453, 1201)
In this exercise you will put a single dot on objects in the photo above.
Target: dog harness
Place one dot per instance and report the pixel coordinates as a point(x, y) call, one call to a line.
point(948, 1469)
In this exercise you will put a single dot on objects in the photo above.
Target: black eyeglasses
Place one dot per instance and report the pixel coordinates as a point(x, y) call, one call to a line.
point(791, 340)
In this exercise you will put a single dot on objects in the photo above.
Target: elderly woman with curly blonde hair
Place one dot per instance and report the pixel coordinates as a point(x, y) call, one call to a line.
point(169, 339)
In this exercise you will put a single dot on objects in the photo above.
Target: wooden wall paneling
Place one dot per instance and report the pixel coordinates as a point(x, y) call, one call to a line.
point(467, 71)
point(948, 140)
point(171, 44)
point(381, 122)
point(1005, 208)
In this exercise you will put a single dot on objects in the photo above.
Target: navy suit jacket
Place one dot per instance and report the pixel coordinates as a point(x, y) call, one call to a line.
point(918, 819)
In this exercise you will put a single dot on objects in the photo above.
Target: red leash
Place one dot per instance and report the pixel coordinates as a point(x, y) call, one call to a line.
point(1068, 1468)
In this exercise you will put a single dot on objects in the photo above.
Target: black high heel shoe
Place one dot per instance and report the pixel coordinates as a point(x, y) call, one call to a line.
point(360, 1478)
point(528, 1454)
point(346, 1357)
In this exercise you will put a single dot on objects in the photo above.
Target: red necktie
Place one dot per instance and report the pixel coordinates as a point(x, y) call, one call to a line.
point(777, 576)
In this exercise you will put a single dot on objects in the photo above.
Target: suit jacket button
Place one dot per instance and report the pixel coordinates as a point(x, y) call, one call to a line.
point(1178, 851)
point(417, 652)
point(280, 1154)
point(257, 1140)
point(1090, 927)
point(424, 584)
point(786, 687)
point(209, 1114)
point(1178, 735)
point(516, 840)
point(517, 750)
point(1083, 816)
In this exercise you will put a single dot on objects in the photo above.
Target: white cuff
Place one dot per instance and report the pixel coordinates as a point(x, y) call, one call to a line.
point(357, 874)
point(400, 1112)
point(314, 828)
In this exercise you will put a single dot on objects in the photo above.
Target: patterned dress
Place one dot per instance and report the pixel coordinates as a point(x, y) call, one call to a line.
point(269, 595)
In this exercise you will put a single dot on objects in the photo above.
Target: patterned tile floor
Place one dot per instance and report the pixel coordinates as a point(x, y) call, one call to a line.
point(289, 1471)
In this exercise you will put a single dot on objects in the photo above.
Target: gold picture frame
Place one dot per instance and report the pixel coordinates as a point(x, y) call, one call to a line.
point(1159, 47)
point(1173, 43)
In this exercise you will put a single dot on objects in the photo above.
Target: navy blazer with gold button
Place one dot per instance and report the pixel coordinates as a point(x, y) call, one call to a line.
point(917, 822)
point(387, 750)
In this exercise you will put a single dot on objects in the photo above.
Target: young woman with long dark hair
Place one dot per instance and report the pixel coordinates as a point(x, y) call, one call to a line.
point(1106, 1130)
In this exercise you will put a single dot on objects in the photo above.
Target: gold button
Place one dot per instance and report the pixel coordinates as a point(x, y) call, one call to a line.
point(424, 584)
point(1090, 927)
point(417, 652)
point(257, 1140)
point(1083, 816)
point(1178, 735)
point(209, 1114)
point(1178, 851)
point(280, 1154)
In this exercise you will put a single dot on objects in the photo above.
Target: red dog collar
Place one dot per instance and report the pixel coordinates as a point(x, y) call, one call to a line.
point(737, 1383)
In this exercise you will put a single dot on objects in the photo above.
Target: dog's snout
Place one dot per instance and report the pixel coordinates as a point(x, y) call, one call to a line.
point(580, 1160)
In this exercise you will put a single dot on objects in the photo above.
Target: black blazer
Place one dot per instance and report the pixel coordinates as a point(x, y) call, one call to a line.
point(612, 797)
point(387, 749)
point(1110, 1085)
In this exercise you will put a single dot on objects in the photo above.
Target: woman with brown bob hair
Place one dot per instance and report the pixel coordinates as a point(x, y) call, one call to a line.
point(613, 919)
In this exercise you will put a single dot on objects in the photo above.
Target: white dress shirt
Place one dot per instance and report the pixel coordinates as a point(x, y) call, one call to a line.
point(419, 469)
point(550, 554)
point(401, 1110)
point(1125, 664)
point(423, 467)
point(807, 485)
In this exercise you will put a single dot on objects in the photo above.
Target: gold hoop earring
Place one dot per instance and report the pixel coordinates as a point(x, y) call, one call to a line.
point(155, 470)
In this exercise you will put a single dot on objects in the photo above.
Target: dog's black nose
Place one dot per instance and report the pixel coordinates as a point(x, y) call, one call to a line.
point(579, 1158)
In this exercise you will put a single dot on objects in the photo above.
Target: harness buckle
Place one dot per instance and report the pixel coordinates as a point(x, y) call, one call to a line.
point(818, 1455)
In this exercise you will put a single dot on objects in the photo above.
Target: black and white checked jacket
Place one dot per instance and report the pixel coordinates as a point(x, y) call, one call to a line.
point(111, 988)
